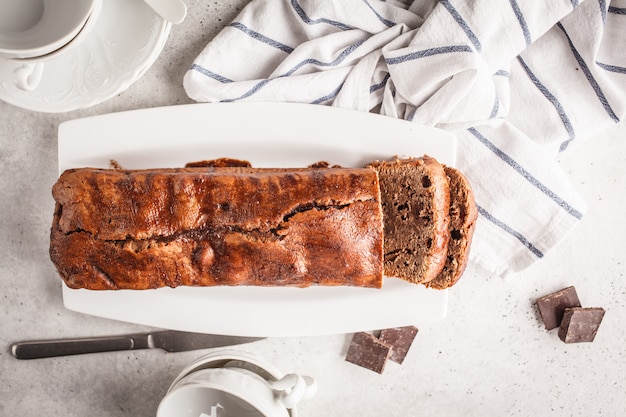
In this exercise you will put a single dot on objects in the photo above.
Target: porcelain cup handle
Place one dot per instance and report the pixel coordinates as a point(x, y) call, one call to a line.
point(292, 388)
point(28, 76)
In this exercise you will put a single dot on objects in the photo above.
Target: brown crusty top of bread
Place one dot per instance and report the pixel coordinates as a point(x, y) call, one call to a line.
point(118, 229)
point(463, 216)
point(415, 197)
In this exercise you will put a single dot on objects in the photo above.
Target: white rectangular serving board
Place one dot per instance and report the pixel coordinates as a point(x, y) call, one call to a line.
point(267, 135)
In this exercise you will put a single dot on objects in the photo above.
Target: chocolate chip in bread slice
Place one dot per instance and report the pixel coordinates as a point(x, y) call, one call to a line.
point(415, 197)
point(463, 215)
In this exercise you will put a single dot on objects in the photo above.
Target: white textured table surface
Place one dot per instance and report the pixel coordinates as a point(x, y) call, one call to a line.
point(490, 357)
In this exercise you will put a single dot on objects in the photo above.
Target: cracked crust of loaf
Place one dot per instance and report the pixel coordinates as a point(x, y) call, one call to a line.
point(119, 229)
point(415, 196)
point(463, 216)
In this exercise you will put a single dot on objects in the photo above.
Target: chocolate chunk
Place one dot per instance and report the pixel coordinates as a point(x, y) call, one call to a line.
point(552, 306)
point(401, 338)
point(580, 324)
point(369, 352)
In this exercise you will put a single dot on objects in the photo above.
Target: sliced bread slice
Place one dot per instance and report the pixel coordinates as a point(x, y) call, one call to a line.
point(415, 198)
point(463, 215)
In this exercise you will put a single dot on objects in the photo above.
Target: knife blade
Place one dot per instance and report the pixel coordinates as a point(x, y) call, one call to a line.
point(167, 340)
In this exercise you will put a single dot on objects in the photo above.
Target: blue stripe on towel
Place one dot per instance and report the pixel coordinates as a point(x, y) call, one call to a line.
point(612, 68)
point(383, 83)
point(592, 81)
point(575, 3)
point(617, 10)
point(386, 22)
point(603, 10)
point(210, 74)
point(510, 231)
point(262, 38)
point(258, 86)
point(525, 174)
point(495, 109)
point(334, 93)
point(306, 19)
point(340, 58)
point(553, 100)
point(428, 52)
point(522, 22)
point(463, 24)
point(329, 96)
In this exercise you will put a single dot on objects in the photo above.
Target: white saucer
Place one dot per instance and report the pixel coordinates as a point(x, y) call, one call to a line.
point(125, 41)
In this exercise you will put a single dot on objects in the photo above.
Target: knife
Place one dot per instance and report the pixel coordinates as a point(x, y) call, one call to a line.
point(168, 340)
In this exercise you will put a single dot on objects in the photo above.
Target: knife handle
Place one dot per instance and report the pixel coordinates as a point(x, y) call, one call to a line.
point(65, 347)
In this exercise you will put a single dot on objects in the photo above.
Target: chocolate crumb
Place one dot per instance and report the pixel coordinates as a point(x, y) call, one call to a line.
point(367, 351)
point(114, 164)
point(552, 306)
point(580, 324)
point(320, 164)
point(219, 163)
point(401, 338)
point(323, 164)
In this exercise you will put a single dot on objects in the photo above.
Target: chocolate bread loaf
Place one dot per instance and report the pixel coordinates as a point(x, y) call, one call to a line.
point(121, 229)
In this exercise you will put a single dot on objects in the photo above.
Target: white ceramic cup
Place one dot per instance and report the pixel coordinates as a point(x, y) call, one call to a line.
point(35, 31)
point(234, 384)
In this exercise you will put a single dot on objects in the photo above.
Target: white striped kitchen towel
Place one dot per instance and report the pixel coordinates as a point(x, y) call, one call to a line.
point(517, 81)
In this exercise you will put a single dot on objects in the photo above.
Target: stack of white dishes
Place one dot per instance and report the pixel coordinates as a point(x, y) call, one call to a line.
point(62, 55)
